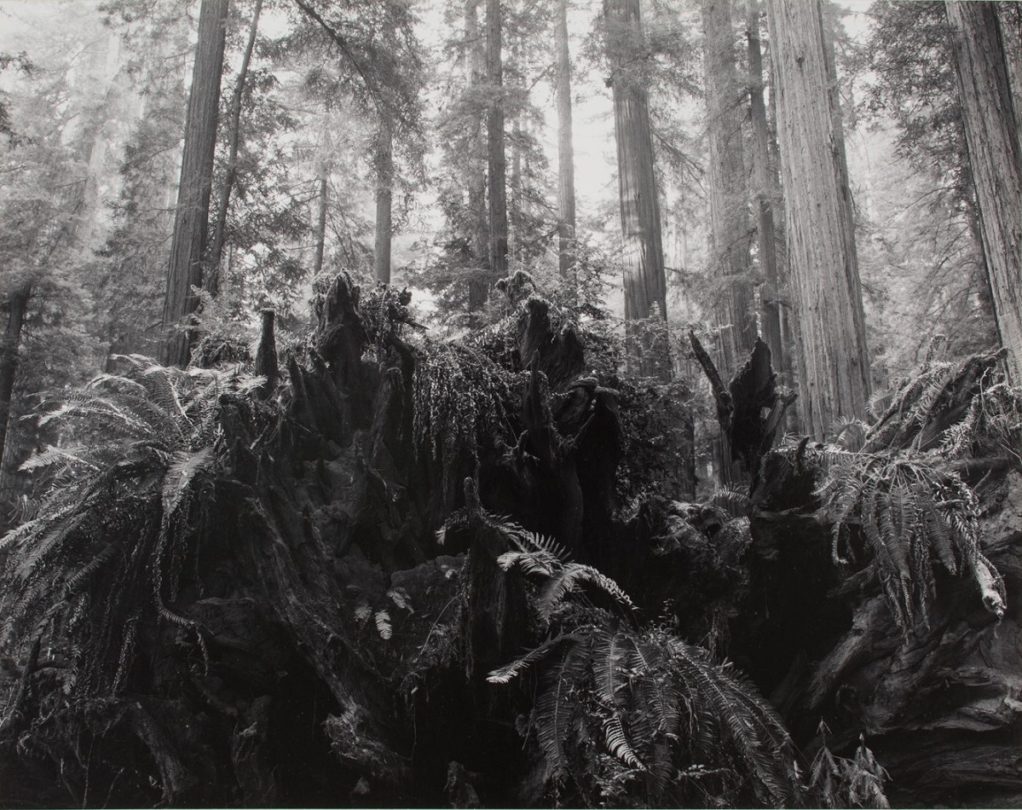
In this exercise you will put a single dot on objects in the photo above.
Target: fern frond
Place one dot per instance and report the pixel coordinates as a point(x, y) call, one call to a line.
point(363, 612)
point(117, 382)
point(184, 468)
point(752, 727)
point(555, 709)
point(608, 668)
point(617, 742)
point(399, 596)
point(569, 579)
point(540, 563)
point(383, 625)
point(733, 501)
point(58, 455)
point(509, 672)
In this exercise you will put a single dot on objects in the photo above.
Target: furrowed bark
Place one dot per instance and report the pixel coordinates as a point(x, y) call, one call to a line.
point(764, 185)
point(384, 199)
point(728, 189)
point(991, 132)
point(645, 286)
point(211, 282)
point(190, 225)
point(497, 175)
point(566, 252)
point(833, 359)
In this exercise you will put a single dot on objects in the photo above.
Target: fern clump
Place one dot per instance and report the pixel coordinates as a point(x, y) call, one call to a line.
point(900, 503)
point(911, 515)
point(992, 424)
point(101, 562)
point(635, 714)
point(956, 409)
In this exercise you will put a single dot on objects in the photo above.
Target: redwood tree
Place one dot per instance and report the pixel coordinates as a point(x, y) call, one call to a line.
point(497, 164)
point(833, 358)
point(212, 275)
point(645, 287)
point(475, 58)
point(190, 225)
point(991, 133)
point(764, 183)
point(728, 187)
point(565, 146)
point(384, 197)
point(16, 306)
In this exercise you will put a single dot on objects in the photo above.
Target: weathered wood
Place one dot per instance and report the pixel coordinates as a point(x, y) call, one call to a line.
point(266, 355)
point(17, 308)
point(750, 409)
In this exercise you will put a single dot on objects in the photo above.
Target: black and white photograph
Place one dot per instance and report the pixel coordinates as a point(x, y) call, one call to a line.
point(510, 403)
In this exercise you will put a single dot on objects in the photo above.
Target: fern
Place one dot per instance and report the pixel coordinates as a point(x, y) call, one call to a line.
point(383, 625)
point(135, 454)
point(913, 514)
point(567, 581)
point(531, 562)
point(618, 743)
point(733, 501)
point(509, 672)
point(653, 704)
point(555, 709)
point(837, 781)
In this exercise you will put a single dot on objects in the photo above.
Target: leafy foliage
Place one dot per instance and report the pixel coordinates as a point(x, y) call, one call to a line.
point(900, 502)
point(636, 714)
point(102, 560)
point(911, 515)
point(458, 392)
point(848, 782)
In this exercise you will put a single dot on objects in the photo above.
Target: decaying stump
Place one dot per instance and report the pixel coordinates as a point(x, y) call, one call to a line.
point(312, 620)
point(336, 596)
point(941, 701)
point(750, 408)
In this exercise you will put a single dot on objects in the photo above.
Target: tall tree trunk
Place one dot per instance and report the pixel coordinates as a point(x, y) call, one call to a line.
point(833, 358)
point(17, 305)
point(212, 276)
point(790, 340)
point(384, 198)
point(190, 224)
point(478, 285)
point(645, 287)
point(1010, 18)
point(991, 133)
point(516, 143)
point(763, 186)
point(566, 251)
point(317, 262)
point(728, 189)
point(841, 161)
point(516, 210)
point(496, 176)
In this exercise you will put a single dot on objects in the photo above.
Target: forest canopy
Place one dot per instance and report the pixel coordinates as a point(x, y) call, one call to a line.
point(510, 403)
